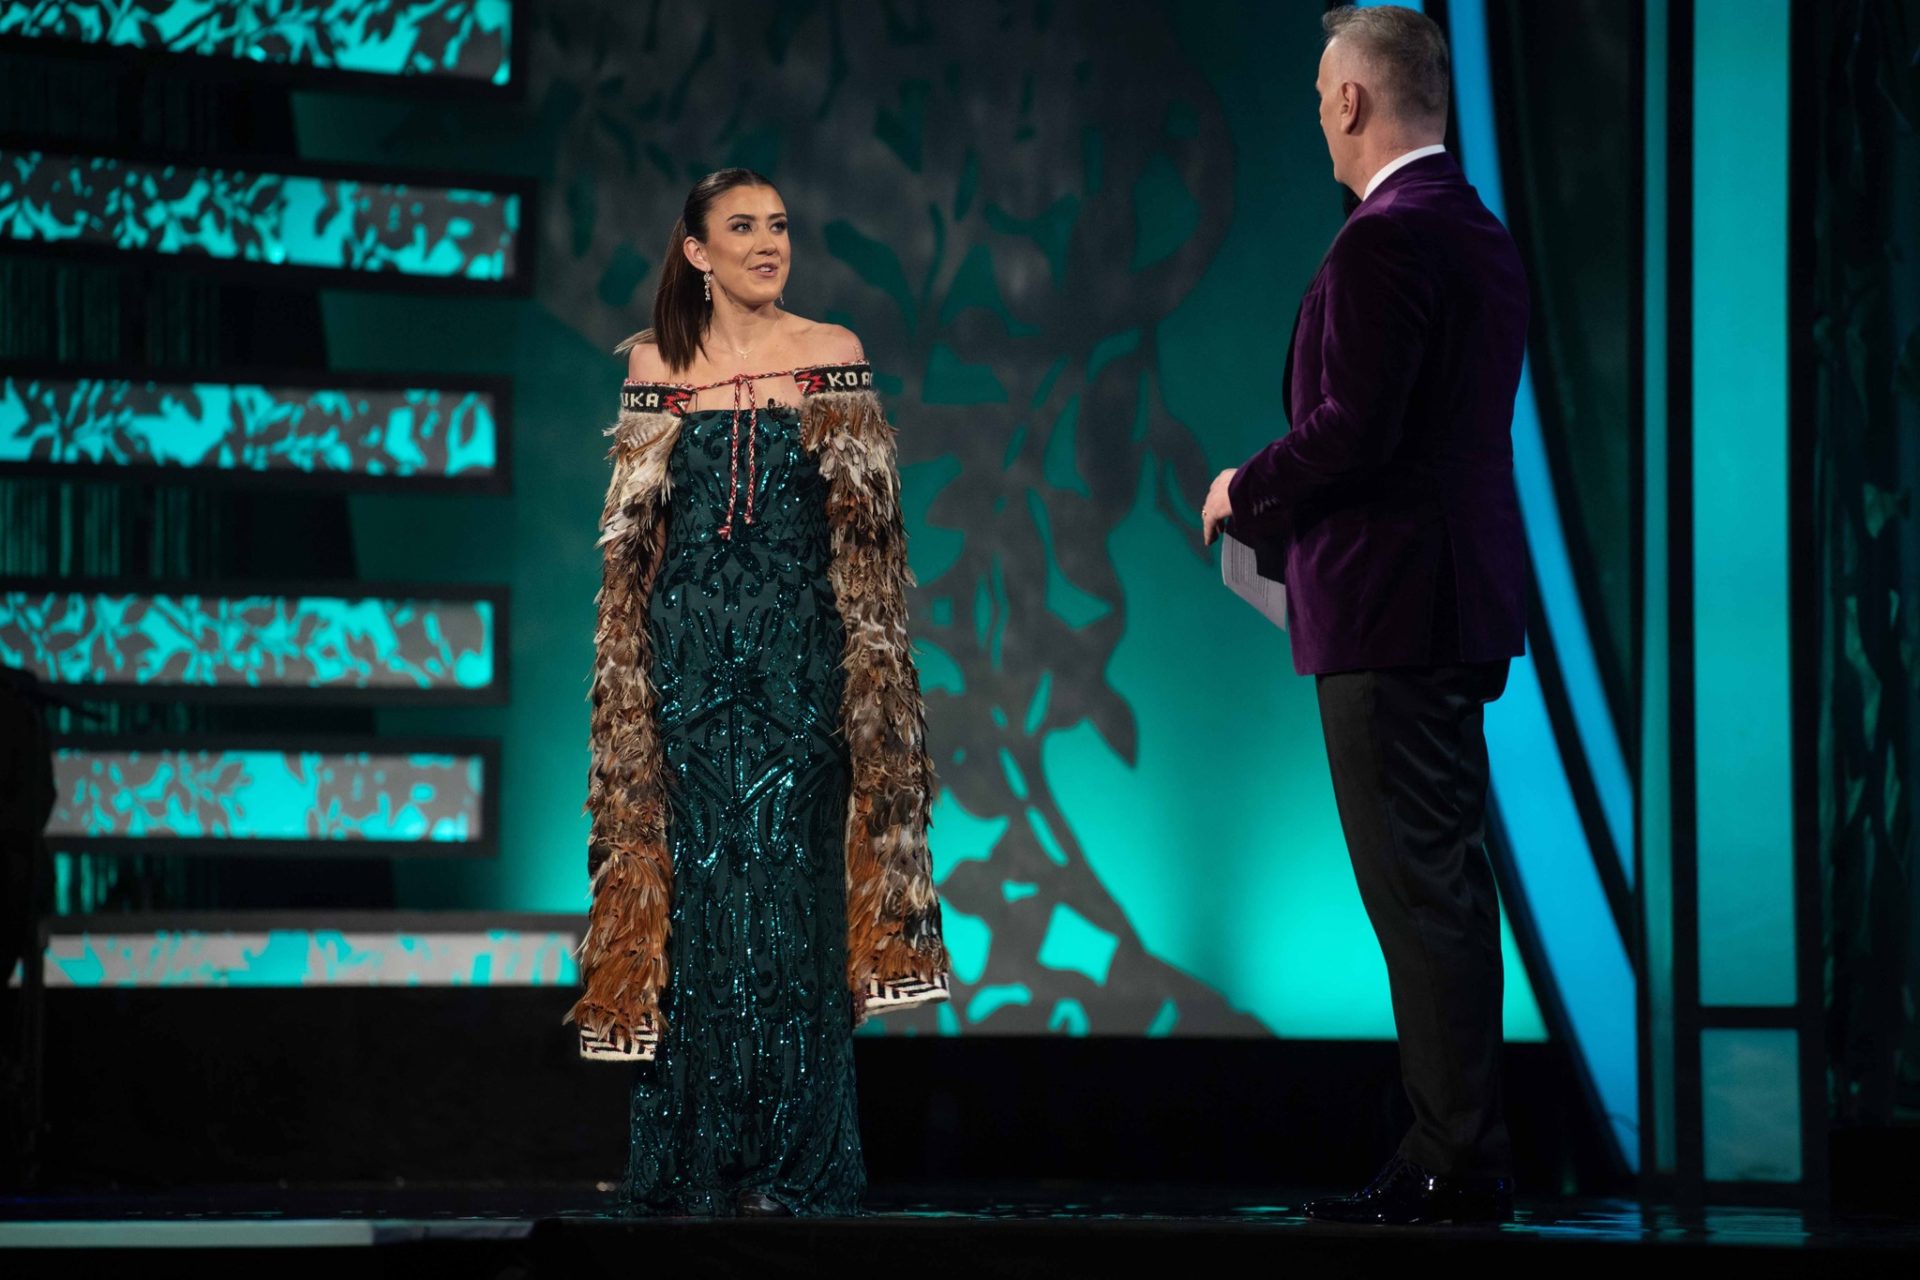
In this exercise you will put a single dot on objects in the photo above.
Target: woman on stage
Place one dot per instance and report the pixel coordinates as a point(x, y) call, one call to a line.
point(760, 782)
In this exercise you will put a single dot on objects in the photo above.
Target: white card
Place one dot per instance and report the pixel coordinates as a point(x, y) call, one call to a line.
point(1240, 570)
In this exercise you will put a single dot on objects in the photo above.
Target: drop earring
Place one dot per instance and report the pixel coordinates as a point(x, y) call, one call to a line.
point(706, 286)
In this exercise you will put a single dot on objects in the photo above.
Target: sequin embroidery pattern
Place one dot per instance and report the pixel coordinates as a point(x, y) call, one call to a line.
point(752, 1086)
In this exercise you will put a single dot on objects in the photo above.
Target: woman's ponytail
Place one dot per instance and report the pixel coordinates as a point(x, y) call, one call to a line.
point(681, 308)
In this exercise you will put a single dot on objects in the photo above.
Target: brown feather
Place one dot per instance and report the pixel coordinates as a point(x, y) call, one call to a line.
point(893, 913)
point(623, 955)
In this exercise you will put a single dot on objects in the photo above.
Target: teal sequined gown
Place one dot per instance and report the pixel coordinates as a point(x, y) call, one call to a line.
point(753, 1086)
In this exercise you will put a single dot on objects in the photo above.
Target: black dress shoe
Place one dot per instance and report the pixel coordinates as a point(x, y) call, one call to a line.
point(752, 1204)
point(1405, 1195)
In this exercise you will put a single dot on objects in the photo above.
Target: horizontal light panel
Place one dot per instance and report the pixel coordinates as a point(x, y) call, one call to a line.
point(158, 798)
point(334, 223)
point(382, 644)
point(201, 428)
point(467, 40)
point(408, 951)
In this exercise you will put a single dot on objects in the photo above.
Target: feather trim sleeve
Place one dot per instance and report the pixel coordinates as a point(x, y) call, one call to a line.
point(623, 955)
point(895, 953)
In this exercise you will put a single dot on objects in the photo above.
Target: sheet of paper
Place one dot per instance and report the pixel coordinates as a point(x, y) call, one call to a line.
point(1239, 569)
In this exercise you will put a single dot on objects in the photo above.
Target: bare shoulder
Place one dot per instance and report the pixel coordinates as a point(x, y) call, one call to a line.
point(827, 344)
point(645, 365)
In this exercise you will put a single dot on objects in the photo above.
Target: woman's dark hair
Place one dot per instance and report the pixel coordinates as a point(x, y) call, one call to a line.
point(680, 308)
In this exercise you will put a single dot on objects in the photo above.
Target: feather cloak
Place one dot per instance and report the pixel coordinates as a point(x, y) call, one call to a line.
point(895, 955)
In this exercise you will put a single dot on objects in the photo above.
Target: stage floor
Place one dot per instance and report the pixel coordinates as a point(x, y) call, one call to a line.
point(1050, 1230)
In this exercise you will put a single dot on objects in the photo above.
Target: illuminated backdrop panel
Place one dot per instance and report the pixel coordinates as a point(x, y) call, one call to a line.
point(237, 799)
point(1072, 247)
point(193, 642)
point(262, 951)
point(461, 39)
point(1071, 250)
point(1754, 1001)
point(202, 427)
point(178, 210)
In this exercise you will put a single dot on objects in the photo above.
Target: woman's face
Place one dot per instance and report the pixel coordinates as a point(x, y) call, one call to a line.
point(746, 247)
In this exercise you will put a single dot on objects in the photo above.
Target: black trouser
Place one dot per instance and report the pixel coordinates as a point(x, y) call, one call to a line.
point(1408, 751)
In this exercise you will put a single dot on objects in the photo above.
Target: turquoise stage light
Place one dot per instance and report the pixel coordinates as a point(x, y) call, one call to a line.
point(1758, 1007)
point(159, 797)
point(110, 205)
point(207, 428)
point(1552, 856)
point(467, 40)
point(193, 643)
point(443, 950)
point(1743, 757)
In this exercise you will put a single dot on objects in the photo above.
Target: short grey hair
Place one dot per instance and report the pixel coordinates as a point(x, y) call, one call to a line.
point(1407, 48)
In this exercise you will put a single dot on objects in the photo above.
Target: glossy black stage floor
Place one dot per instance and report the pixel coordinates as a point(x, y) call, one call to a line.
point(989, 1156)
point(1041, 1230)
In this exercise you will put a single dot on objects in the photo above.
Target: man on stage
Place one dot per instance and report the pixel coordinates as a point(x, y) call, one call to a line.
point(1389, 506)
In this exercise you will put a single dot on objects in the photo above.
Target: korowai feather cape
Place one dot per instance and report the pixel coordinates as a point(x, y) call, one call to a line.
point(895, 954)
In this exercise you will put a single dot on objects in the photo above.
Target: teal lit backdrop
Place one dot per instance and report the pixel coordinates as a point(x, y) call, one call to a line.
point(303, 366)
point(402, 433)
point(457, 39)
point(1072, 249)
point(288, 220)
point(189, 644)
point(252, 795)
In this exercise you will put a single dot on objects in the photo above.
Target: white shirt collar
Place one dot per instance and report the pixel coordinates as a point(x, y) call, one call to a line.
point(1400, 162)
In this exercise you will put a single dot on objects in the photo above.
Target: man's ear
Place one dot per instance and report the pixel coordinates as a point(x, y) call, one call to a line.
point(1351, 101)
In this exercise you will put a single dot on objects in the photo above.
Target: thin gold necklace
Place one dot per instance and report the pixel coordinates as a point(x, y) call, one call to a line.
point(739, 350)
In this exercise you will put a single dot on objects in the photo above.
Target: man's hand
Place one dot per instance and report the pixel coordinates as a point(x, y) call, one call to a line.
point(1218, 507)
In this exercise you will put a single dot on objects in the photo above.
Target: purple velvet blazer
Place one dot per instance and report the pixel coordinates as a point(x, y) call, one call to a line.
point(1388, 508)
